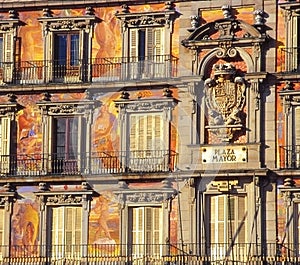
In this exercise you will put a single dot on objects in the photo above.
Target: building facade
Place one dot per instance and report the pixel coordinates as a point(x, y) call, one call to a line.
point(149, 132)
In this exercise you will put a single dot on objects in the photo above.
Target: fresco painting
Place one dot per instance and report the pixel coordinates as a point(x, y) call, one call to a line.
point(24, 227)
point(104, 220)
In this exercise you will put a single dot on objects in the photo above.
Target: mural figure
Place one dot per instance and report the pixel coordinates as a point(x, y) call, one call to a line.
point(101, 208)
point(24, 229)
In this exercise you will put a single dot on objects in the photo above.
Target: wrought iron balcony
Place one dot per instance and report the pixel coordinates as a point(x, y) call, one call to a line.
point(144, 161)
point(290, 157)
point(154, 254)
point(98, 70)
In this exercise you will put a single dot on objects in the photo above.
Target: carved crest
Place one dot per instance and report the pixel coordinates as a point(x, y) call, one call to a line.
point(225, 99)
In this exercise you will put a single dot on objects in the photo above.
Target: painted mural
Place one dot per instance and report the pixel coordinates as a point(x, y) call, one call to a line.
point(104, 220)
point(25, 224)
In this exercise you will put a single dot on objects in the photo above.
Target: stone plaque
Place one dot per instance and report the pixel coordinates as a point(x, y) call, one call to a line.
point(224, 154)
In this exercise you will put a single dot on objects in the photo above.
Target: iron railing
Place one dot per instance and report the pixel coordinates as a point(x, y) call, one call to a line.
point(97, 70)
point(290, 157)
point(110, 162)
point(152, 254)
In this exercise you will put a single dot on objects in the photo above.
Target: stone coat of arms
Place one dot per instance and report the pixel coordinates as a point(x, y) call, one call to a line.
point(225, 100)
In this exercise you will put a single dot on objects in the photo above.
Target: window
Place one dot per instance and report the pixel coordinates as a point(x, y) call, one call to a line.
point(147, 142)
point(290, 139)
point(291, 51)
point(227, 224)
point(66, 231)
point(67, 145)
point(145, 225)
point(8, 136)
point(66, 54)
point(8, 48)
point(67, 135)
point(68, 46)
point(65, 223)
point(147, 43)
point(146, 52)
point(145, 134)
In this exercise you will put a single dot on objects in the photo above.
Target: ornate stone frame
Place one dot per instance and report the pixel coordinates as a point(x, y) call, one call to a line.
point(127, 107)
point(82, 109)
point(291, 197)
point(290, 99)
point(164, 19)
point(9, 30)
point(219, 40)
point(82, 24)
point(8, 111)
point(81, 198)
point(144, 197)
point(292, 23)
point(7, 198)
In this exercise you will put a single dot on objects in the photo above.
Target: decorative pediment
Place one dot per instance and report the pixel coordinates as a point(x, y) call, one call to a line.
point(217, 31)
point(85, 22)
point(65, 108)
point(146, 19)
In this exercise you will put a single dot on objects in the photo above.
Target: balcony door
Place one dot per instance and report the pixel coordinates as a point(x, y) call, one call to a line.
point(147, 143)
point(66, 56)
point(66, 230)
point(227, 226)
point(66, 151)
point(145, 234)
point(146, 52)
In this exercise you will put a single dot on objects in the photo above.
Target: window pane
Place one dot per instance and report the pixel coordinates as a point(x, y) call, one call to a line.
point(66, 226)
point(66, 137)
point(227, 219)
point(61, 49)
point(1, 51)
point(74, 50)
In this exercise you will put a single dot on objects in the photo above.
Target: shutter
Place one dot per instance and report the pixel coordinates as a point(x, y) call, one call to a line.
point(156, 238)
point(297, 126)
point(241, 228)
point(8, 56)
point(158, 45)
point(2, 215)
point(5, 133)
point(137, 226)
point(159, 133)
point(58, 224)
point(133, 45)
point(133, 132)
point(78, 228)
point(5, 144)
point(147, 132)
point(150, 41)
